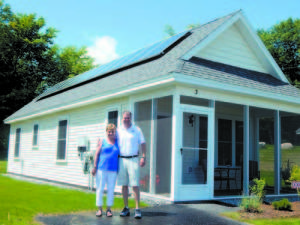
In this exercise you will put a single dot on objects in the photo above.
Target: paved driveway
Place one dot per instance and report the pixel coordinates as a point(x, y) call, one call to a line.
point(175, 214)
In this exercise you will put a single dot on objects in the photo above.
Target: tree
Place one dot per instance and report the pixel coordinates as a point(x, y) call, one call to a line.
point(283, 42)
point(30, 62)
point(66, 63)
point(192, 26)
point(169, 30)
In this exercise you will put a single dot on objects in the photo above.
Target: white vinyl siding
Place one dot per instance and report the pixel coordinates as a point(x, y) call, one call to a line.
point(86, 121)
point(232, 48)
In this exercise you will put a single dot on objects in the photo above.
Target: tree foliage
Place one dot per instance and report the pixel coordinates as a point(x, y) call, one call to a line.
point(30, 62)
point(283, 42)
point(170, 31)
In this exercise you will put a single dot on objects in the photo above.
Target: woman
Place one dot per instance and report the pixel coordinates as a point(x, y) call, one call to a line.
point(106, 169)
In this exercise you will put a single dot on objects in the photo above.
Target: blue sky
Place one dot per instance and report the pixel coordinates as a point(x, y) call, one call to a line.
point(113, 28)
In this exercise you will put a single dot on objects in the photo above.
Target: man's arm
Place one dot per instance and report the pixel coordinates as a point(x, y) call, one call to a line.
point(143, 147)
point(143, 159)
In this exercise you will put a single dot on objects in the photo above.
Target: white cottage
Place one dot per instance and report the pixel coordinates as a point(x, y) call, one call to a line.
point(203, 98)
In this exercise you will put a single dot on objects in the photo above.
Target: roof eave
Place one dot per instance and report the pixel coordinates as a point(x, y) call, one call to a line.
point(185, 79)
point(164, 80)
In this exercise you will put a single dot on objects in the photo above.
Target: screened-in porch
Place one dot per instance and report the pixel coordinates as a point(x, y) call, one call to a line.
point(221, 147)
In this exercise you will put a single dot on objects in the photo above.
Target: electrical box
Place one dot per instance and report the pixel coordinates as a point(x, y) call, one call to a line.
point(83, 144)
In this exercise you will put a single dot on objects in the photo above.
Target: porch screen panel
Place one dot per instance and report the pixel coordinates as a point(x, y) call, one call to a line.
point(290, 152)
point(163, 132)
point(62, 139)
point(265, 169)
point(143, 115)
point(224, 142)
point(239, 144)
point(194, 151)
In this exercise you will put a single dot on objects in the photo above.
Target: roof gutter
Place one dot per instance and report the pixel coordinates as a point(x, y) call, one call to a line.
point(93, 100)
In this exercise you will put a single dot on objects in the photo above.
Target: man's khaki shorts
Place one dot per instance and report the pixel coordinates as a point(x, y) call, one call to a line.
point(129, 172)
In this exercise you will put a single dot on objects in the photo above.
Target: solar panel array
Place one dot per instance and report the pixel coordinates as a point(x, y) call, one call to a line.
point(138, 56)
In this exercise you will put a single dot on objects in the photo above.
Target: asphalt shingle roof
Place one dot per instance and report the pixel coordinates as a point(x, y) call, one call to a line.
point(170, 62)
point(223, 73)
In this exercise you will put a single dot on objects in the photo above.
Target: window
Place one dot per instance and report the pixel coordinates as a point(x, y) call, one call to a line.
point(17, 142)
point(113, 117)
point(35, 135)
point(62, 139)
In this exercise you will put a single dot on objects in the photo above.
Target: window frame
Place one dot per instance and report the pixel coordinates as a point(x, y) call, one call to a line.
point(19, 143)
point(111, 109)
point(35, 147)
point(66, 139)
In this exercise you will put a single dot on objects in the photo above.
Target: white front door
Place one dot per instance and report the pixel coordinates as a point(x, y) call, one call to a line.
point(196, 154)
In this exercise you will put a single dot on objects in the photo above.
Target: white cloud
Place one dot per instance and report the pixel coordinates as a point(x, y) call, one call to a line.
point(103, 50)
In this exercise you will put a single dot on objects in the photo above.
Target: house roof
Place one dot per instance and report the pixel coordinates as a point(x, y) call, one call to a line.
point(223, 73)
point(125, 62)
point(155, 68)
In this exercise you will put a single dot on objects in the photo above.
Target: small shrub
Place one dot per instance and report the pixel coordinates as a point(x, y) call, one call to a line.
point(295, 173)
point(283, 204)
point(251, 204)
point(286, 171)
point(257, 188)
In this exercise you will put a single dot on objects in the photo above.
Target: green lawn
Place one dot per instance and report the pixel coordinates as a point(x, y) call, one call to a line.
point(3, 166)
point(290, 221)
point(21, 201)
point(266, 158)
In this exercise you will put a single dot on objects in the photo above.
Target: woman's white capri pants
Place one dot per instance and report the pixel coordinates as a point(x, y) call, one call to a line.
point(109, 178)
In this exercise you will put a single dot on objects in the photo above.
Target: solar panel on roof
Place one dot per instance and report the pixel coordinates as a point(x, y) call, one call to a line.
point(135, 57)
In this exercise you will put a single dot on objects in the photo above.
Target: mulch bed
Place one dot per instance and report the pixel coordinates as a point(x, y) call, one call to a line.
point(269, 212)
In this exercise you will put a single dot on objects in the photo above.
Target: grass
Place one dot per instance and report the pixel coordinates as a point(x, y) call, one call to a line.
point(3, 166)
point(21, 201)
point(266, 158)
point(277, 221)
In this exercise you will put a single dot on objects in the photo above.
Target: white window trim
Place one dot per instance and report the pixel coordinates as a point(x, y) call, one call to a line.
point(67, 138)
point(113, 108)
point(36, 147)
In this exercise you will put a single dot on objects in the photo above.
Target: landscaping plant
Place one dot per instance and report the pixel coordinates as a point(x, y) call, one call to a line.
point(295, 173)
point(257, 188)
point(283, 204)
point(251, 204)
point(254, 201)
point(286, 171)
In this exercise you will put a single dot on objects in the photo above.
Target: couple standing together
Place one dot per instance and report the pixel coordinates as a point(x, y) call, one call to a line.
point(117, 156)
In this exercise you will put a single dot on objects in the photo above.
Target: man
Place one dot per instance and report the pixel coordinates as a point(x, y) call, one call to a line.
point(130, 137)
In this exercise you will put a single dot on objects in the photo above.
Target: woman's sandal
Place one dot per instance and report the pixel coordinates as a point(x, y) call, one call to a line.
point(99, 213)
point(109, 211)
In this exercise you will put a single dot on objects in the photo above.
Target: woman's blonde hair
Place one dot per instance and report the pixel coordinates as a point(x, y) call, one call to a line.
point(111, 126)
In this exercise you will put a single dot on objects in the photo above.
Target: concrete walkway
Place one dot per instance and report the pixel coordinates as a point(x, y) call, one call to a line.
point(175, 214)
